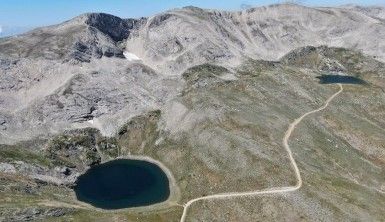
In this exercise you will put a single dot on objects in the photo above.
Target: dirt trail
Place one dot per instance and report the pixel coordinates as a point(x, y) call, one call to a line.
point(292, 160)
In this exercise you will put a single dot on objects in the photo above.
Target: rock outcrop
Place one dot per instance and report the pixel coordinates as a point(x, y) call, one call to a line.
point(266, 33)
point(210, 95)
point(85, 37)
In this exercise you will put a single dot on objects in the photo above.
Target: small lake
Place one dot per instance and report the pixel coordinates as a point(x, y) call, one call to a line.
point(329, 79)
point(123, 183)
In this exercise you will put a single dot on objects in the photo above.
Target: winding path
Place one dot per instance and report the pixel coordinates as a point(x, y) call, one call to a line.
point(273, 189)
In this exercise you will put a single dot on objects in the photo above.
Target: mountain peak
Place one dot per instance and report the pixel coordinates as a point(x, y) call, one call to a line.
point(113, 26)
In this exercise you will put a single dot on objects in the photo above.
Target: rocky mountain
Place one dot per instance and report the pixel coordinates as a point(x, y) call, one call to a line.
point(174, 40)
point(40, 64)
point(208, 93)
point(87, 36)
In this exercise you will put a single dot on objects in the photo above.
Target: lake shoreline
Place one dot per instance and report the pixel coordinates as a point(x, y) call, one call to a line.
point(172, 200)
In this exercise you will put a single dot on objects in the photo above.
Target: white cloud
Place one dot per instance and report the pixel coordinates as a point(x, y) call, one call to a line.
point(1, 29)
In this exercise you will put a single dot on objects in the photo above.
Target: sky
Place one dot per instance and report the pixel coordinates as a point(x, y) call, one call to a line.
point(19, 15)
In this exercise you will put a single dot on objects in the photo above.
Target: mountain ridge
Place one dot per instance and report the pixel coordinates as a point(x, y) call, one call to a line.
point(210, 94)
point(81, 50)
point(270, 43)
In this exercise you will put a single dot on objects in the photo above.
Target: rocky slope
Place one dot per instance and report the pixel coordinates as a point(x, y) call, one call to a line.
point(53, 77)
point(176, 39)
point(81, 38)
point(196, 90)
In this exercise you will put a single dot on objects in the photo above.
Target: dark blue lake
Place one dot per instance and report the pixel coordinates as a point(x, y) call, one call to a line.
point(122, 184)
point(329, 79)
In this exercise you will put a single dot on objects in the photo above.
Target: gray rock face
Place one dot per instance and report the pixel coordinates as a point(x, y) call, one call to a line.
point(113, 89)
point(7, 168)
point(118, 29)
point(87, 36)
point(35, 214)
point(265, 33)
point(59, 175)
point(75, 74)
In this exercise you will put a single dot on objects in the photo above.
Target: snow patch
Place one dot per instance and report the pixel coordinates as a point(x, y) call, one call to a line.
point(131, 56)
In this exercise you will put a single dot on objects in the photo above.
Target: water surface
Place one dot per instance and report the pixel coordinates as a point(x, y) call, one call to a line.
point(123, 183)
point(329, 79)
